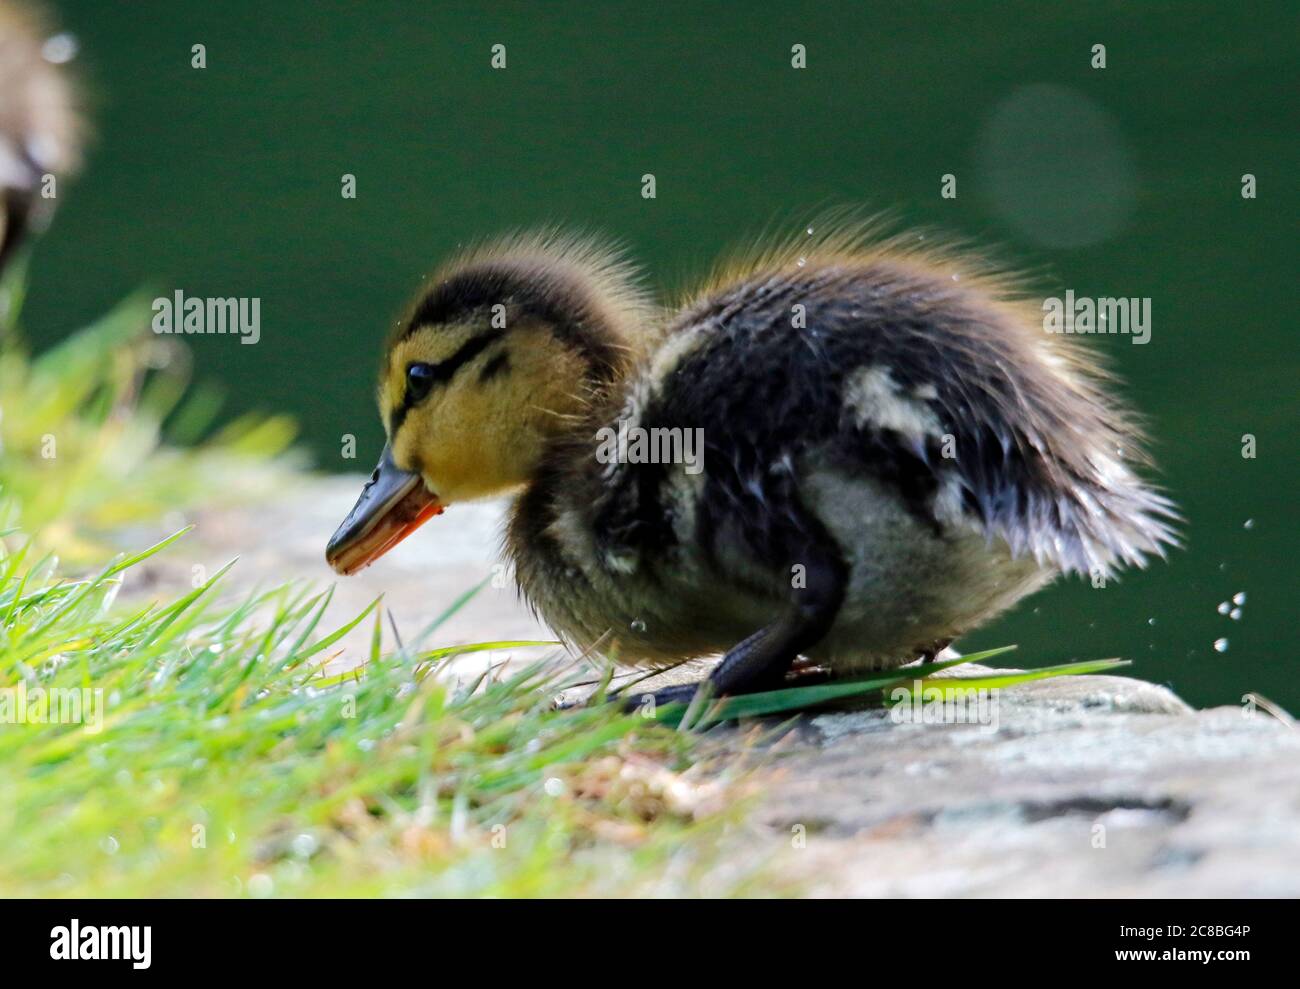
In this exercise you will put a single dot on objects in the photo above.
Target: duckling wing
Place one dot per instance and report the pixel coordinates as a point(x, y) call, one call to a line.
point(946, 394)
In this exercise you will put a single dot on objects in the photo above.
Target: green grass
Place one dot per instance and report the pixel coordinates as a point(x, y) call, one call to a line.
point(104, 431)
point(702, 713)
point(229, 762)
point(223, 767)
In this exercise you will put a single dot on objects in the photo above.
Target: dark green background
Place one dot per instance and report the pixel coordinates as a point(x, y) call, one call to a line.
point(225, 182)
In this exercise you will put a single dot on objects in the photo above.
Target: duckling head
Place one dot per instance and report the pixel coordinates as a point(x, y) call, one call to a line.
point(507, 348)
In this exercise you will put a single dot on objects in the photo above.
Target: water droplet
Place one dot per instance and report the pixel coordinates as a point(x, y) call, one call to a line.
point(555, 787)
point(1151, 621)
point(304, 845)
point(1224, 607)
point(802, 262)
point(1239, 598)
point(261, 885)
point(59, 48)
point(956, 278)
point(1220, 645)
point(637, 625)
point(1235, 614)
point(810, 230)
point(109, 844)
point(1248, 524)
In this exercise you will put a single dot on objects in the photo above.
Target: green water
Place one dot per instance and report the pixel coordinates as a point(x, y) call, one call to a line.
point(1117, 181)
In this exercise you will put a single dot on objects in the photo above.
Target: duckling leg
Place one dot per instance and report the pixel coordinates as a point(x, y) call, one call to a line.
point(761, 661)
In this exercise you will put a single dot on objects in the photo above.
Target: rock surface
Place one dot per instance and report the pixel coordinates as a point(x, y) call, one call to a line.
point(1087, 786)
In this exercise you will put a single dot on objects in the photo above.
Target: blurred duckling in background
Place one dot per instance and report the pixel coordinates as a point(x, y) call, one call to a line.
point(893, 450)
point(39, 126)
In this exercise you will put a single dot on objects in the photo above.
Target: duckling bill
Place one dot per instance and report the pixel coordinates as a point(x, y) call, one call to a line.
point(893, 450)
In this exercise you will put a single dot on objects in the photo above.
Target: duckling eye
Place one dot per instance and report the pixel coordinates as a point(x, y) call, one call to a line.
point(419, 379)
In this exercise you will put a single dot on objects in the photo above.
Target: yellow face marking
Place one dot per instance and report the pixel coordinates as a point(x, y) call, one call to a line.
point(429, 345)
point(473, 438)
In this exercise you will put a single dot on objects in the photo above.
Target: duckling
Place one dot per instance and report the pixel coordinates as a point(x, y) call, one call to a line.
point(40, 128)
point(893, 449)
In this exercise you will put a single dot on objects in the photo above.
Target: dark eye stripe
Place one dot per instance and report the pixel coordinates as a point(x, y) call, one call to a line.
point(444, 371)
point(497, 365)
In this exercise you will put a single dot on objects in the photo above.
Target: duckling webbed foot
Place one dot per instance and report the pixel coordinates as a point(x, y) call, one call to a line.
point(761, 661)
